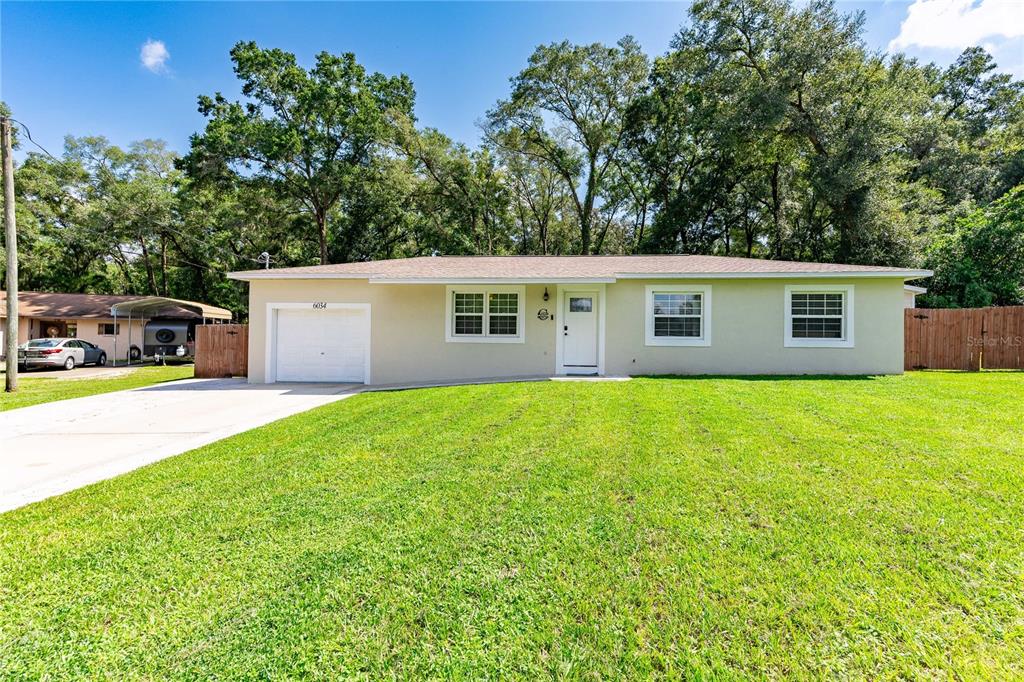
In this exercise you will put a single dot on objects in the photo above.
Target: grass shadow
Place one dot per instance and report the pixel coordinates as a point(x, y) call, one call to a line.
point(763, 377)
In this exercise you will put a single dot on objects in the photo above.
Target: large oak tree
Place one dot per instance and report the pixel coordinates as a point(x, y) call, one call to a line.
point(568, 110)
point(308, 136)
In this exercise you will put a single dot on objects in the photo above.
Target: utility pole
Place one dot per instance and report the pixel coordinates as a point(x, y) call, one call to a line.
point(11, 241)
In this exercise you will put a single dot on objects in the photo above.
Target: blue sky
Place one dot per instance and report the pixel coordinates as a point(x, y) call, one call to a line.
point(84, 69)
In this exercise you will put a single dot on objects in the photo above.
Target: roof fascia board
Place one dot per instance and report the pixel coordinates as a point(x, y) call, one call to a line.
point(902, 274)
point(380, 279)
point(492, 280)
point(246, 277)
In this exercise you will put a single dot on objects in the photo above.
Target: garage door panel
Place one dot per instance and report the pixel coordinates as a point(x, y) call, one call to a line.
point(322, 345)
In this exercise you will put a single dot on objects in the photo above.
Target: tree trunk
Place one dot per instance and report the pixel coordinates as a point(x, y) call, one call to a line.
point(122, 263)
point(588, 208)
point(776, 211)
point(150, 275)
point(321, 226)
point(163, 264)
point(640, 231)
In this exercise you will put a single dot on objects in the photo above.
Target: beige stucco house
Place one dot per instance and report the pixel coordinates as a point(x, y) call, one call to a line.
point(454, 318)
point(910, 294)
point(84, 316)
point(89, 317)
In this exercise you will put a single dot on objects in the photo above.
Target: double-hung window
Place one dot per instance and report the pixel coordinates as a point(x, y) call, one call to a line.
point(485, 314)
point(469, 313)
point(819, 316)
point(678, 315)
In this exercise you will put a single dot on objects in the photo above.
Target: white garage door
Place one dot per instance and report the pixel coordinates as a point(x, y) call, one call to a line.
point(322, 345)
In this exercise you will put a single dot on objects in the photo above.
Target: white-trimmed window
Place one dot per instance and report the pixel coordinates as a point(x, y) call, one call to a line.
point(678, 315)
point(108, 329)
point(819, 316)
point(491, 314)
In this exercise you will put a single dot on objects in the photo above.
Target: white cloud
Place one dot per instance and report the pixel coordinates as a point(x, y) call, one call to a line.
point(956, 24)
point(154, 55)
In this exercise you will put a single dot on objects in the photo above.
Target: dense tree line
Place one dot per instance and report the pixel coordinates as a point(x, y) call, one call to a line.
point(768, 130)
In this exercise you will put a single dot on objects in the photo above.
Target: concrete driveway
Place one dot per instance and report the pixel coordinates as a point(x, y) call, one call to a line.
point(80, 372)
point(56, 447)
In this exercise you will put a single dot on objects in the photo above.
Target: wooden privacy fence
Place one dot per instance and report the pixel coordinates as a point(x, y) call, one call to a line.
point(965, 338)
point(222, 350)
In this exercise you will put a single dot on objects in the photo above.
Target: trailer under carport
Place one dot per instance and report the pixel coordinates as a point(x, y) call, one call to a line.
point(156, 306)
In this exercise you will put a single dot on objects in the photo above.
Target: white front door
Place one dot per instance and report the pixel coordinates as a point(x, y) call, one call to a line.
point(579, 329)
point(322, 345)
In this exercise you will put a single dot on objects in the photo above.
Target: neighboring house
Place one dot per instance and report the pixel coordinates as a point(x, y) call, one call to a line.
point(88, 317)
point(910, 294)
point(453, 318)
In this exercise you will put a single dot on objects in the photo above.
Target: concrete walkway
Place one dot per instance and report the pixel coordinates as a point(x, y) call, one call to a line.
point(52, 448)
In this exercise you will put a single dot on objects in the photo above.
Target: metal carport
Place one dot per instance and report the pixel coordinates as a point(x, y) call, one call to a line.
point(162, 306)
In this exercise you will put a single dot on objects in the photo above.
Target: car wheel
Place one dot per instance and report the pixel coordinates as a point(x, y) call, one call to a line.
point(101, 361)
point(69, 363)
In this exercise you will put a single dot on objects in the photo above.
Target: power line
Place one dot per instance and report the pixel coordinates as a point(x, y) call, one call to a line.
point(199, 242)
point(176, 262)
point(28, 134)
point(224, 252)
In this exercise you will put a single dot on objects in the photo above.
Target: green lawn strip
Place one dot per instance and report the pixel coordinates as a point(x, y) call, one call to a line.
point(33, 390)
point(680, 527)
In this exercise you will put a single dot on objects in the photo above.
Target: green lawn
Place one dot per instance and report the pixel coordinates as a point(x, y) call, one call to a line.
point(700, 528)
point(42, 387)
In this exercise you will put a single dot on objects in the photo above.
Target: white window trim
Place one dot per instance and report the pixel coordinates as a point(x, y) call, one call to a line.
point(704, 340)
point(846, 341)
point(449, 314)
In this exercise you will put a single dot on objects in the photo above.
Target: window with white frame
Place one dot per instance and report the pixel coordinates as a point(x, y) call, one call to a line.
point(109, 329)
point(819, 316)
point(678, 316)
point(469, 314)
point(485, 314)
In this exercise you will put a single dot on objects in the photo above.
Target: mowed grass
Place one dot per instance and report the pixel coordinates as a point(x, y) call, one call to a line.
point(681, 528)
point(37, 387)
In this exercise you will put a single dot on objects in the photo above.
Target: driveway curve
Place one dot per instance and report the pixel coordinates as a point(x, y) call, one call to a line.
point(55, 447)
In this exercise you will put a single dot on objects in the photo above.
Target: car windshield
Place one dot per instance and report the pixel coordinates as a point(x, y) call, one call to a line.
point(44, 343)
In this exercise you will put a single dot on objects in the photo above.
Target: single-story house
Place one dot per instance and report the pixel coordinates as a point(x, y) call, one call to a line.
point(466, 317)
point(89, 317)
point(910, 294)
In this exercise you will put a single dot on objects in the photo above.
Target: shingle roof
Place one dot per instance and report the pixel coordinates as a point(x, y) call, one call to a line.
point(67, 306)
point(541, 268)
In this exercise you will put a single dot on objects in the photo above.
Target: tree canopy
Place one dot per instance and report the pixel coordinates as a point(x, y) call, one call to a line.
point(310, 137)
point(768, 129)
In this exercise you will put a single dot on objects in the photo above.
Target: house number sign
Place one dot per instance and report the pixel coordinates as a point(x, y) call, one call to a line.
point(320, 305)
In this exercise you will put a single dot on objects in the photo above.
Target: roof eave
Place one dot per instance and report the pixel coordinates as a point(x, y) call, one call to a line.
point(492, 280)
point(377, 278)
point(270, 274)
point(806, 274)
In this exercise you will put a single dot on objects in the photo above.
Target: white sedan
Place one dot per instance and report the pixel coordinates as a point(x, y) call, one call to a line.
point(66, 353)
